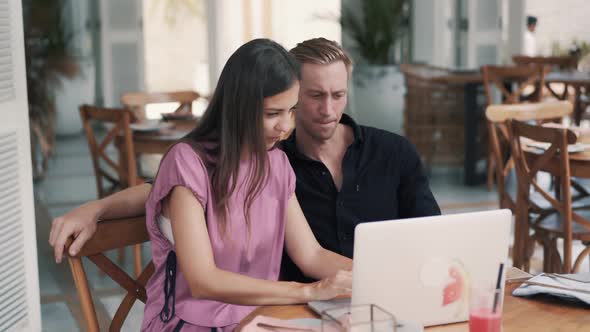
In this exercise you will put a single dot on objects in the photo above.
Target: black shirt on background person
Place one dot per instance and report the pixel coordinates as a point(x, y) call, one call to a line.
point(383, 179)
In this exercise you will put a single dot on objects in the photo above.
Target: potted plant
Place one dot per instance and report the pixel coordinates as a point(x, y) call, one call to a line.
point(47, 60)
point(378, 86)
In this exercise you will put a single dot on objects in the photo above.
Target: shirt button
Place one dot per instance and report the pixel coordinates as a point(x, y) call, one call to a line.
point(323, 172)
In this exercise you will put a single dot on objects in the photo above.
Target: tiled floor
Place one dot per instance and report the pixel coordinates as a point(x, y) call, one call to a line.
point(70, 182)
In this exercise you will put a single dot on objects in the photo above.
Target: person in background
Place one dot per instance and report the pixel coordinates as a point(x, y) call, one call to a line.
point(529, 39)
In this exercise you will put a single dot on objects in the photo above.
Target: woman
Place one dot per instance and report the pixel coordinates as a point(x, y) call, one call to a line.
point(223, 204)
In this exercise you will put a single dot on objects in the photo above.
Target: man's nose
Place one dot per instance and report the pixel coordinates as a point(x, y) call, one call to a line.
point(327, 107)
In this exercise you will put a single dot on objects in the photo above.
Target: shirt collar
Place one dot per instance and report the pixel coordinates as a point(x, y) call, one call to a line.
point(290, 144)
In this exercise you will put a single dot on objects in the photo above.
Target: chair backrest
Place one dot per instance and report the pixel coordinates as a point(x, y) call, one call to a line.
point(523, 76)
point(119, 133)
point(136, 101)
point(553, 62)
point(497, 116)
point(109, 235)
point(555, 160)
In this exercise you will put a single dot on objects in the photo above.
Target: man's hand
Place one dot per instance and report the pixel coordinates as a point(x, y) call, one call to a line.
point(79, 223)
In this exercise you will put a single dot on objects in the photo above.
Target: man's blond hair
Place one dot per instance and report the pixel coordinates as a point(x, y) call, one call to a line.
point(321, 51)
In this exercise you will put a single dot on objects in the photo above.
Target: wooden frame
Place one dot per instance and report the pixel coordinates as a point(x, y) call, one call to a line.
point(111, 234)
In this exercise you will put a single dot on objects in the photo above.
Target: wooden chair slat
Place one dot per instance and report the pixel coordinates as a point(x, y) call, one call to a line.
point(129, 299)
point(117, 274)
point(499, 113)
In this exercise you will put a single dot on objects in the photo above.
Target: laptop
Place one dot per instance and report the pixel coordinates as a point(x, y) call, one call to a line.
point(421, 269)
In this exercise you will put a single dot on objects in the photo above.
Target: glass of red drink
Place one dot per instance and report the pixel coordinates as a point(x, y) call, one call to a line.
point(485, 310)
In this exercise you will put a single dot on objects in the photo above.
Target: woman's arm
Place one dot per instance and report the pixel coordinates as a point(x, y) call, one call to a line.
point(195, 256)
point(81, 221)
point(305, 251)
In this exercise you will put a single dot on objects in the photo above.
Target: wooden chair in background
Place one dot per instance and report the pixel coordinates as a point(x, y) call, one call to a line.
point(551, 63)
point(560, 220)
point(111, 234)
point(504, 79)
point(104, 166)
point(497, 116)
point(119, 174)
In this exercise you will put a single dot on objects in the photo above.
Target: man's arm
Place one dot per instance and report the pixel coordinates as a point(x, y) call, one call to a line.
point(415, 196)
point(305, 251)
point(81, 221)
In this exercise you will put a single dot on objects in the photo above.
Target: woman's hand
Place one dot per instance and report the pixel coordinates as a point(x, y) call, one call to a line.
point(331, 287)
point(79, 223)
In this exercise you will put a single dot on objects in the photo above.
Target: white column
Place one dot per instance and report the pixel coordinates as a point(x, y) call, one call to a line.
point(432, 35)
point(225, 33)
point(516, 26)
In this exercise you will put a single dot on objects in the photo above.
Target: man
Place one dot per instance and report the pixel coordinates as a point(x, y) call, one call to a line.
point(346, 173)
point(529, 41)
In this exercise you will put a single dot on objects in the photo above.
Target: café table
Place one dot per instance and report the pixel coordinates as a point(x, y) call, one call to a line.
point(155, 142)
point(519, 314)
point(578, 80)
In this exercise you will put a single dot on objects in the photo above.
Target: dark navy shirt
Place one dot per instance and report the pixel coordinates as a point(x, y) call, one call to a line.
point(382, 179)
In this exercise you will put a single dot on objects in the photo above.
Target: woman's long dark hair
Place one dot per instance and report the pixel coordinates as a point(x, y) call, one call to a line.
point(233, 121)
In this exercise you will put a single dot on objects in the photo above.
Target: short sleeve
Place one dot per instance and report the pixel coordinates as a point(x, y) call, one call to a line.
point(291, 180)
point(181, 166)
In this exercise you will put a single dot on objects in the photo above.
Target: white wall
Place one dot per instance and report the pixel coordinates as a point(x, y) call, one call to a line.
point(187, 49)
point(289, 23)
point(432, 33)
point(296, 21)
point(175, 45)
point(560, 21)
point(515, 28)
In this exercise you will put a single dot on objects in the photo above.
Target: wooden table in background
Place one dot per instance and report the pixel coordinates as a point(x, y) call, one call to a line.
point(520, 314)
point(154, 142)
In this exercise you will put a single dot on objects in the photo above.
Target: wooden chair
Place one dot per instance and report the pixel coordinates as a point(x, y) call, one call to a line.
point(137, 101)
point(125, 170)
point(111, 234)
point(497, 116)
point(560, 220)
point(550, 63)
point(503, 77)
